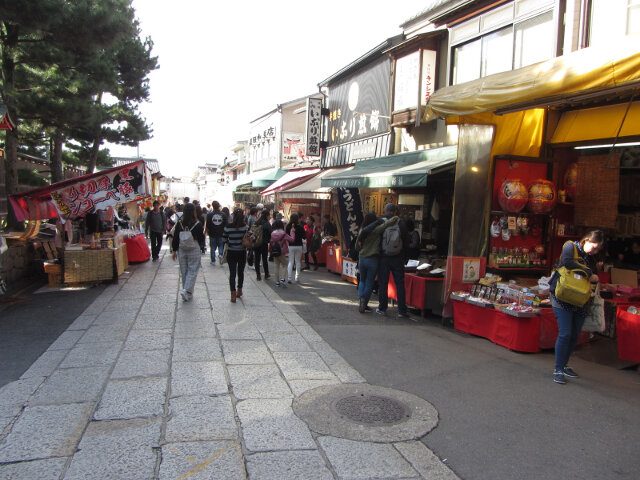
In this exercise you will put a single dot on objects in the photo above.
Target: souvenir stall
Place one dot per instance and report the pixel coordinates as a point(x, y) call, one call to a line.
point(414, 181)
point(311, 198)
point(539, 153)
point(93, 251)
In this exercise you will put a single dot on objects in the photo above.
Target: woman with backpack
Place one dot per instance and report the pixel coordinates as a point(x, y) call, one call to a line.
point(188, 240)
point(261, 232)
point(279, 247)
point(295, 230)
point(236, 252)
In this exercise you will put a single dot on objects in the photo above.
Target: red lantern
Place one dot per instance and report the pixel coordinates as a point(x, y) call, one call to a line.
point(570, 181)
point(513, 195)
point(542, 196)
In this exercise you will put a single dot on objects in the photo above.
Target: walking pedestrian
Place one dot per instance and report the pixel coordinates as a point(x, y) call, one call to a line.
point(215, 223)
point(279, 247)
point(368, 247)
point(155, 226)
point(395, 240)
point(314, 242)
point(578, 256)
point(295, 230)
point(236, 252)
point(262, 233)
point(187, 249)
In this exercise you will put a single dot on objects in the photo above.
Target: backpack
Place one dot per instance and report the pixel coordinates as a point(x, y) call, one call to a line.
point(276, 249)
point(414, 239)
point(573, 285)
point(187, 242)
point(257, 236)
point(391, 241)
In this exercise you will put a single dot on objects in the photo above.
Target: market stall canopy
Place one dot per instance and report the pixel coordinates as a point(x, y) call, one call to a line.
point(75, 197)
point(405, 170)
point(312, 188)
point(589, 71)
point(268, 178)
point(5, 121)
point(290, 179)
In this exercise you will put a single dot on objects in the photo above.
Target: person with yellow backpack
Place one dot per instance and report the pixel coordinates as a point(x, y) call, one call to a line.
point(570, 290)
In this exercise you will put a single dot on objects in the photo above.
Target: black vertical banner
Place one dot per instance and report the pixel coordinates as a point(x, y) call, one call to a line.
point(350, 213)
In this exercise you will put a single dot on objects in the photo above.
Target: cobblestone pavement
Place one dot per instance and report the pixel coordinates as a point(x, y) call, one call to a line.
point(145, 386)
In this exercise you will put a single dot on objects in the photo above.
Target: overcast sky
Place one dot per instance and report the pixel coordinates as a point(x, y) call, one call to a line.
point(223, 64)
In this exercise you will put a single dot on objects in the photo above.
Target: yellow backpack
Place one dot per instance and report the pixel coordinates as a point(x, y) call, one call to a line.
point(573, 285)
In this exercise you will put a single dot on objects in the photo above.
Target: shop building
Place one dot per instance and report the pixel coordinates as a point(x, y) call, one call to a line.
point(548, 137)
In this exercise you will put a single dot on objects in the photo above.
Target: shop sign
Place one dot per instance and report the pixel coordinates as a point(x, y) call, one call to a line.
point(293, 147)
point(350, 213)
point(363, 150)
point(314, 122)
point(409, 77)
point(122, 185)
point(349, 268)
point(359, 105)
point(266, 135)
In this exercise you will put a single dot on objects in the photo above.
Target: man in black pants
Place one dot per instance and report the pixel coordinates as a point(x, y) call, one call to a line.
point(156, 225)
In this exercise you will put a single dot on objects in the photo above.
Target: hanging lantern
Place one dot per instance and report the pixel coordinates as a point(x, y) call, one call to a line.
point(570, 181)
point(513, 195)
point(542, 196)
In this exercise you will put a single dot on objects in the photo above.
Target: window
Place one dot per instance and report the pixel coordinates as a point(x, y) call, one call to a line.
point(466, 62)
point(611, 20)
point(535, 40)
point(497, 52)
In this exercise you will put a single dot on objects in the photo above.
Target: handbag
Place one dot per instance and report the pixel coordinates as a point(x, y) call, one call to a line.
point(573, 285)
point(223, 260)
point(247, 241)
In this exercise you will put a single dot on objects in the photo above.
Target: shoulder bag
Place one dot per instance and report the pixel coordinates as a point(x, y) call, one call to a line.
point(573, 285)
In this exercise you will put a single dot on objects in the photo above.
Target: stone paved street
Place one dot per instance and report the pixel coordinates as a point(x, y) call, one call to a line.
point(145, 386)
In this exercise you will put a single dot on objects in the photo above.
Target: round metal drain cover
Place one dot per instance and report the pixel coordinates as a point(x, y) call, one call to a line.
point(372, 409)
point(359, 411)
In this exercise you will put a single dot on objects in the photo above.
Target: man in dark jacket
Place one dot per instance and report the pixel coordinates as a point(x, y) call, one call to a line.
point(215, 223)
point(392, 263)
point(155, 225)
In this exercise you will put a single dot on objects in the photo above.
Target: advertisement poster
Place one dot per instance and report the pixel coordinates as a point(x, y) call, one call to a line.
point(114, 186)
point(470, 270)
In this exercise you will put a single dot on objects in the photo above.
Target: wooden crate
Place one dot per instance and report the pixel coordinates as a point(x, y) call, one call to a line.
point(122, 260)
point(89, 265)
point(54, 271)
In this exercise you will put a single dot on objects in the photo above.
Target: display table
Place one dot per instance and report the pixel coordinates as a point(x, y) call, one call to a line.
point(423, 293)
point(628, 333)
point(334, 259)
point(322, 254)
point(137, 249)
point(98, 265)
point(515, 333)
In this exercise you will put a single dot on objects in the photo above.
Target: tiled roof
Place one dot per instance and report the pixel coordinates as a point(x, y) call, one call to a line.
point(151, 163)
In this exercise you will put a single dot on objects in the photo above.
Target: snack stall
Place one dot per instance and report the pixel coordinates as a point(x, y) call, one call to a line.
point(92, 250)
point(542, 152)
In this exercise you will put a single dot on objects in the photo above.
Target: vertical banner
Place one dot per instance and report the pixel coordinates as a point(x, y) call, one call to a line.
point(314, 112)
point(350, 213)
point(428, 75)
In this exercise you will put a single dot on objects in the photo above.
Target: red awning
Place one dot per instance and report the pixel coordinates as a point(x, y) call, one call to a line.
point(290, 179)
point(37, 204)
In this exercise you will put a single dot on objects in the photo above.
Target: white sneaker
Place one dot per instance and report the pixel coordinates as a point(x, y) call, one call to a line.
point(184, 295)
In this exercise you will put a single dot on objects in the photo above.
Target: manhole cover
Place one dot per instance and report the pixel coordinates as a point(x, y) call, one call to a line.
point(365, 412)
point(372, 409)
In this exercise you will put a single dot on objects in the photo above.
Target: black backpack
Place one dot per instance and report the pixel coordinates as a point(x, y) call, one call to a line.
point(276, 249)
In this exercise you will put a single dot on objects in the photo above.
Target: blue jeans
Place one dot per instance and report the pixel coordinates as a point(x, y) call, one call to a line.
point(395, 267)
point(368, 267)
point(189, 266)
point(569, 327)
point(216, 243)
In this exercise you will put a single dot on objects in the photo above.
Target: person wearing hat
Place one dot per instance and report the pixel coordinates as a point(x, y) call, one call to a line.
point(155, 226)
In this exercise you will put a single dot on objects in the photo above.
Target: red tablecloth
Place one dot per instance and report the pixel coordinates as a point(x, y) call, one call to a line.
point(137, 249)
point(516, 333)
point(628, 332)
point(322, 253)
point(415, 288)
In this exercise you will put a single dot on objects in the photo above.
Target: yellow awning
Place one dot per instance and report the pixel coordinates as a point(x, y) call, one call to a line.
point(598, 123)
point(589, 70)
